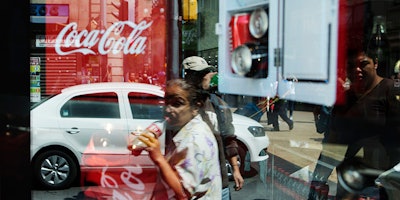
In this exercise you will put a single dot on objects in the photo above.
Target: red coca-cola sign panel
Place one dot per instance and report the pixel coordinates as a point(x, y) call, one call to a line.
point(87, 42)
point(84, 42)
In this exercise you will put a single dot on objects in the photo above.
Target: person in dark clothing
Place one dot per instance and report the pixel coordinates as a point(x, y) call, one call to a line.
point(322, 119)
point(368, 121)
point(199, 73)
point(322, 115)
point(279, 109)
point(291, 105)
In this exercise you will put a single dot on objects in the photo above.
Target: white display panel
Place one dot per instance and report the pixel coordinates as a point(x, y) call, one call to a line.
point(229, 82)
point(302, 50)
point(306, 42)
point(310, 32)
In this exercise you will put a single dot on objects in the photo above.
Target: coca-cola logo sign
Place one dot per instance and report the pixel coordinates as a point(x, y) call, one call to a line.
point(108, 179)
point(110, 40)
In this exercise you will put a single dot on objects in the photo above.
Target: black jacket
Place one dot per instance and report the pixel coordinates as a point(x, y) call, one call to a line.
point(225, 136)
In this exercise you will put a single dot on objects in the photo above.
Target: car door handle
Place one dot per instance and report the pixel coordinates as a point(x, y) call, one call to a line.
point(73, 130)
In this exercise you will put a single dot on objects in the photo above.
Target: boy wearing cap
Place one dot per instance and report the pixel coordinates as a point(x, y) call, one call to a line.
point(199, 73)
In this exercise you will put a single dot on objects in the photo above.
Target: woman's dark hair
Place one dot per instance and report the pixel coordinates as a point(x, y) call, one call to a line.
point(196, 97)
point(372, 54)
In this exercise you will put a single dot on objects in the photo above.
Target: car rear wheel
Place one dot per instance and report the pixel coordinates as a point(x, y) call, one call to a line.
point(54, 169)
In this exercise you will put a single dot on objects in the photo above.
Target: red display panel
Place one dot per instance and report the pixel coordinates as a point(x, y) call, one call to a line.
point(80, 42)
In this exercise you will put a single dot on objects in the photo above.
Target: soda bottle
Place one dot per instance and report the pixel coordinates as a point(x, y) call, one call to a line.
point(214, 81)
point(155, 128)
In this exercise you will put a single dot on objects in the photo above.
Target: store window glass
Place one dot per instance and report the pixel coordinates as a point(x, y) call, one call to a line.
point(285, 66)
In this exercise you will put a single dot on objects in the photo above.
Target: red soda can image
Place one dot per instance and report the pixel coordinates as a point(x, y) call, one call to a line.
point(239, 30)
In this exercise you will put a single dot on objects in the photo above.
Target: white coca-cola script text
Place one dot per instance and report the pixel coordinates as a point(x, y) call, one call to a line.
point(70, 40)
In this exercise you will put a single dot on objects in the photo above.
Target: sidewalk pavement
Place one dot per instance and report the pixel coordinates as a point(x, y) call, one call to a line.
point(292, 158)
point(299, 147)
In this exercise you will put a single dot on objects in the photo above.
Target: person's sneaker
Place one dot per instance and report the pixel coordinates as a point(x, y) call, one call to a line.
point(275, 129)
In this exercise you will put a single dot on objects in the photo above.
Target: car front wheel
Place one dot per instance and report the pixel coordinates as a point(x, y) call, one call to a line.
point(54, 169)
point(243, 165)
point(242, 150)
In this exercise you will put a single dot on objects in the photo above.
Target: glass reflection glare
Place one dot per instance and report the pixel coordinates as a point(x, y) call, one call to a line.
point(108, 128)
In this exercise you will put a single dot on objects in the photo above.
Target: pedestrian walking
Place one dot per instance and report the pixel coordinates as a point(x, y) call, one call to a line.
point(203, 77)
point(279, 109)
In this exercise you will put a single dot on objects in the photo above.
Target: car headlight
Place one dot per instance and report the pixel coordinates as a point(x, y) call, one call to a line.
point(257, 131)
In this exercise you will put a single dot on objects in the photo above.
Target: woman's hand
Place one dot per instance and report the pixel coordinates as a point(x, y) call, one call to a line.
point(153, 145)
point(239, 181)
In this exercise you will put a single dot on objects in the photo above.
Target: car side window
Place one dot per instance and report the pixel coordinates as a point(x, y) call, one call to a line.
point(95, 105)
point(146, 106)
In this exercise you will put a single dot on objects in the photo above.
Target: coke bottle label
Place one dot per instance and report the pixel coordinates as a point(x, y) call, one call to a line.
point(137, 145)
point(155, 129)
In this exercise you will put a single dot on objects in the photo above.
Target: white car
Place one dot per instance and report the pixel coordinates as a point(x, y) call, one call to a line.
point(82, 134)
